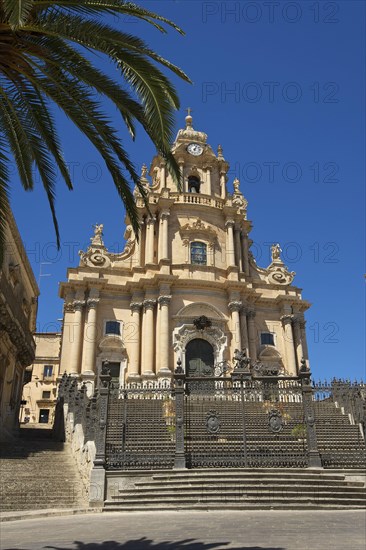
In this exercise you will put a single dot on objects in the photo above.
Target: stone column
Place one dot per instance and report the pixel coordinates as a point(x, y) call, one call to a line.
point(164, 238)
point(148, 339)
point(164, 302)
point(304, 342)
point(289, 344)
point(234, 308)
point(76, 333)
point(230, 251)
point(298, 343)
point(245, 253)
point(223, 184)
point(90, 334)
point(142, 237)
point(238, 259)
point(208, 180)
point(134, 366)
point(244, 330)
point(252, 331)
point(149, 247)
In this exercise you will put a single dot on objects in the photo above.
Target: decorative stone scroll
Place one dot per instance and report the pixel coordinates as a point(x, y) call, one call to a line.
point(277, 272)
point(97, 254)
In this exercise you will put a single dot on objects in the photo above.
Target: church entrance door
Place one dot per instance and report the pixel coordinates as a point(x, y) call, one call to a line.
point(199, 358)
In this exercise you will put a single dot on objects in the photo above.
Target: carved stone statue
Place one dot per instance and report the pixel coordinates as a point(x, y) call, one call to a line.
point(98, 234)
point(276, 252)
point(241, 361)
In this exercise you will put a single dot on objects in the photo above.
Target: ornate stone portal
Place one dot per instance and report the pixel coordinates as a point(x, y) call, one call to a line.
point(190, 275)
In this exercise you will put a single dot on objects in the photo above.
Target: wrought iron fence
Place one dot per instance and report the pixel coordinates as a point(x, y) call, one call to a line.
point(234, 420)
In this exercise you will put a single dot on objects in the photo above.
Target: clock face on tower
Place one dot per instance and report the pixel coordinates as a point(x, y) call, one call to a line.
point(195, 149)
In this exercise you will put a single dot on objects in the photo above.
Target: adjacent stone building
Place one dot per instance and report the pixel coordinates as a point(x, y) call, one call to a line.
point(18, 310)
point(188, 289)
point(40, 393)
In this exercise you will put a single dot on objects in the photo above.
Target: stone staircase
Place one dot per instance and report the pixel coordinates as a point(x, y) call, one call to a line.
point(38, 473)
point(240, 489)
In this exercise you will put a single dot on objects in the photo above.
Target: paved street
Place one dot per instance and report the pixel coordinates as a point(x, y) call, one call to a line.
point(260, 530)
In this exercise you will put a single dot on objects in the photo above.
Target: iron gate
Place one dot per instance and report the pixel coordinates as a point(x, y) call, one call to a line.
point(253, 423)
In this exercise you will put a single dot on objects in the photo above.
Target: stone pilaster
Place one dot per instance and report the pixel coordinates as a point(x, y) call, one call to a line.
point(208, 180)
point(237, 244)
point(244, 330)
point(245, 253)
point(289, 344)
point(252, 331)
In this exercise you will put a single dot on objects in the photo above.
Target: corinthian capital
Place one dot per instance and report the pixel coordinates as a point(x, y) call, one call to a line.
point(135, 306)
point(251, 313)
point(164, 300)
point(287, 319)
point(78, 305)
point(149, 304)
point(235, 305)
point(92, 302)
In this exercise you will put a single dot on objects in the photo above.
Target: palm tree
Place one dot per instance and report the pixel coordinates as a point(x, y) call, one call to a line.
point(46, 53)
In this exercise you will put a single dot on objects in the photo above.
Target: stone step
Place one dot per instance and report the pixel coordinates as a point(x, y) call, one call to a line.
point(147, 503)
point(112, 507)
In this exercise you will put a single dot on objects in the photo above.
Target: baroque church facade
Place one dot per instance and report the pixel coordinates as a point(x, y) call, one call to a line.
point(188, 289)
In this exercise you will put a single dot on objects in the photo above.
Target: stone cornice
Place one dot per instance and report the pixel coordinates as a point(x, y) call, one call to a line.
point(22, 252)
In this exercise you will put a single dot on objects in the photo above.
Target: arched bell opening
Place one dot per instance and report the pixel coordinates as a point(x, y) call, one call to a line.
point(194, 184)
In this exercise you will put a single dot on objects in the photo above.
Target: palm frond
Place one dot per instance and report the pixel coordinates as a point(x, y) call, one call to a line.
point(17, 11)
point(4, 197)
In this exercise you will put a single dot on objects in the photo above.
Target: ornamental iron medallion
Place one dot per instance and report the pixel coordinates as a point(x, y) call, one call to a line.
point(213, 423)
point(275, 421)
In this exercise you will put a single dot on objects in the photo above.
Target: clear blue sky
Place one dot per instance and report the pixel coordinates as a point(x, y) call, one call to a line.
point(281, 87)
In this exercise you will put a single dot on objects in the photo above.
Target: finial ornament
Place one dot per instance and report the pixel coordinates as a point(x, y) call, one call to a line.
point(220, 152)
point(189, 118)
point(236, 184)
point(143, 171)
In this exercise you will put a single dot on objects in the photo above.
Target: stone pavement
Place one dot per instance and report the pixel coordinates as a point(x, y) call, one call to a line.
point(183, 530)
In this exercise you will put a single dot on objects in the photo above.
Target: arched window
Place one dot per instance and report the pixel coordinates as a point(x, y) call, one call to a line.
point(198, 253)
point(193, 184)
